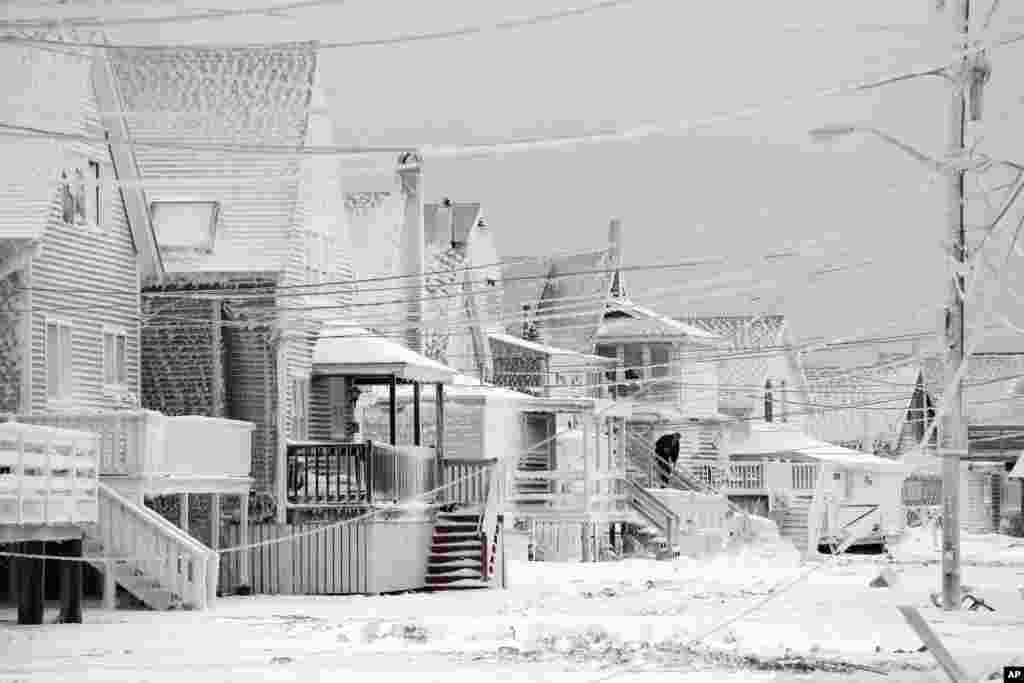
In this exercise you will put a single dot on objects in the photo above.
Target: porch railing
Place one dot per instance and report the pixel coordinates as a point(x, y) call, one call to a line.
point(331, 473)
point(805, 475)
point(470, 480)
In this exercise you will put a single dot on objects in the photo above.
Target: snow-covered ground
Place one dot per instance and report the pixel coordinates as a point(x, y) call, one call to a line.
point(629, 621)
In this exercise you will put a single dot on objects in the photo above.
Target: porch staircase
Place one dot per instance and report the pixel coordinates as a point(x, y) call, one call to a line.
point(533, 462)
point(457, 551)
point(162, 566)
point(794, 524)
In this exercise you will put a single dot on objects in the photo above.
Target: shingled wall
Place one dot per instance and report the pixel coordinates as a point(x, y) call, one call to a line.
point(11, 362)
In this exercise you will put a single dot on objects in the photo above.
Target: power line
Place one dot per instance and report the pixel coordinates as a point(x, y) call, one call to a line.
point(270, 10)
point(546, 142)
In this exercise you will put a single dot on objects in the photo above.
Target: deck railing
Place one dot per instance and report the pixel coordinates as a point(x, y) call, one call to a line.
point(131, 441)
point(146, 442)
point(47, 476)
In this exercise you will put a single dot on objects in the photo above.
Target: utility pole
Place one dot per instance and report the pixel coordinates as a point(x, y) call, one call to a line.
point(953, 432)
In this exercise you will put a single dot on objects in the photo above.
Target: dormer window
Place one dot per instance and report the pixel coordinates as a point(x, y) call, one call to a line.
point(185, 225)
point(769, 402)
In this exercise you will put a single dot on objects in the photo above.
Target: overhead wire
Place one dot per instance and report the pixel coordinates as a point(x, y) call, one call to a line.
point(503, 25)
point(549, 142)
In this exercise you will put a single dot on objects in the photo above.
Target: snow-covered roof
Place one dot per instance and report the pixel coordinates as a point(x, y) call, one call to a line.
point(768, 438)
point(547, 349)
point(230, 95)
point(993, 387)
point(851, 404)
point(42, 89)
point(346, 350)
point(640, 322)
point(1018, 469)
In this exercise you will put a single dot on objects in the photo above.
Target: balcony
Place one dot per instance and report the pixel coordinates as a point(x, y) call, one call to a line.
point(48, 482)
point(147, 453)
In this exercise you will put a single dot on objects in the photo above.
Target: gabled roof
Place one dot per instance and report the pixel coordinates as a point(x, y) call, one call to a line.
point(41, 89)
point(626, 320)
point(772, 439)
point(571, 303)
point(549, 350)
point(993, 386)
point(235, 95)
point(868, 402)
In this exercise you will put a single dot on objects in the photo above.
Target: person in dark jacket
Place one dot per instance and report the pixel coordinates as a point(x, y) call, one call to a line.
point(667, 450)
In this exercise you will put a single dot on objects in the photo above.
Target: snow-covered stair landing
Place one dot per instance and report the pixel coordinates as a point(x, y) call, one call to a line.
point(456, 551)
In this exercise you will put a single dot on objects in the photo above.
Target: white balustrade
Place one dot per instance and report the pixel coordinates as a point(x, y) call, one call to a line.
point(48, 476)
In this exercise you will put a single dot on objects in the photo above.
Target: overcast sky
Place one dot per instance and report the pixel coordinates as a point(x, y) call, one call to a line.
point(739, 189)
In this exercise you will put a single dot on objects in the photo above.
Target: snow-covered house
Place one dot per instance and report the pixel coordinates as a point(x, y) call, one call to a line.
point(867, 408)
point(821, 492)
point(994, 408)
point(760, 373)
point(77, 238)
point(243, 234)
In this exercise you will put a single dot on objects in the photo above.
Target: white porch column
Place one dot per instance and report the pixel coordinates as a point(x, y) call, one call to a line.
point(243, 525)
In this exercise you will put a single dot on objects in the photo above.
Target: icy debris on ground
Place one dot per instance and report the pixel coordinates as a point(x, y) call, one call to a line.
point(919, 544)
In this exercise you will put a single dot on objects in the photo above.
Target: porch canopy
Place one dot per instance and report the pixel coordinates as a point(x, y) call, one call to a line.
point(357, 352)
point(766, 439)
point(364, 357)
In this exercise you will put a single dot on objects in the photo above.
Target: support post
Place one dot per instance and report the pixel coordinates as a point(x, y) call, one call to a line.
point(243, 527)
point(439, 432)
point(183, 521)
point(215, 521)
point(417, 426)
point(109, 586)
point(71, 585)
point(393, 410)
point(31, 586)
point(953, 434)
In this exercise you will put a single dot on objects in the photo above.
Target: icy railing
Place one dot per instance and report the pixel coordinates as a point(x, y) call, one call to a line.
point(48, 476)
point(158, 549)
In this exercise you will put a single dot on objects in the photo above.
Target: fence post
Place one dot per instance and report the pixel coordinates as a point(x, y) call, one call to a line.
point(212, 577)
point(369, 472)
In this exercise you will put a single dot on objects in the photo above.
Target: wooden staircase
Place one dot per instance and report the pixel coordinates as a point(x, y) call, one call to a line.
point(457, 551)
point(164, 567)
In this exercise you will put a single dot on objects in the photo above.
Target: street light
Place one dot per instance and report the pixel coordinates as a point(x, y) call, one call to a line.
point(979, 163)
point(829, 133)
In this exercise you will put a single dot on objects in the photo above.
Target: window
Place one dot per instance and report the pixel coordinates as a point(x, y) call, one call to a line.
point(81, 198)
point(58, 360)
point(93, 203)
point(115, 357)
point(769, 402)
point(783, 408)
point(185, 225)
point(300, 408)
